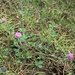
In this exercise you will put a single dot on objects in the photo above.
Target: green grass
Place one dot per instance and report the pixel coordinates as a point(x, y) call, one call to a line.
point(47, 28)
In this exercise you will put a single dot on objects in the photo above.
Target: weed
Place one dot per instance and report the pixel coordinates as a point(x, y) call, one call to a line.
point(36, 37)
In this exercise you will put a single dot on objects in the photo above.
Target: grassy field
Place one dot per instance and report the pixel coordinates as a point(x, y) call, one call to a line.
point(45, 38)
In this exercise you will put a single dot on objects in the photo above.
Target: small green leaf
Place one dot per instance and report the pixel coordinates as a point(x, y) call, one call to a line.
point(28, 55)
point(39, 64)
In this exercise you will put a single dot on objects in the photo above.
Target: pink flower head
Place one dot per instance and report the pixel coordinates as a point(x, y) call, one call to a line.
point(3, 19)
point(70, 56)
point(18, 35)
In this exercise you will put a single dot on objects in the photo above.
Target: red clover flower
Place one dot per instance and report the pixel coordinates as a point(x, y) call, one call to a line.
point(70, 56)
point(4, 19)
point(18, 35)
